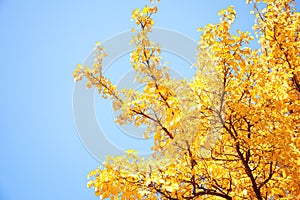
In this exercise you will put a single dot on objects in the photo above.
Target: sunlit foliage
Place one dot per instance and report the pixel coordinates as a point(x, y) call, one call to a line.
point(230, 132)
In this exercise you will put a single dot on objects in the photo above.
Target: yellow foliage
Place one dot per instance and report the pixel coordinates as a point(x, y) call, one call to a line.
point(231, 132)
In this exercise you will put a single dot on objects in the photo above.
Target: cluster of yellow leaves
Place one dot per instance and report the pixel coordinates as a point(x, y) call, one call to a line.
point(231, 132)
point(143, 17)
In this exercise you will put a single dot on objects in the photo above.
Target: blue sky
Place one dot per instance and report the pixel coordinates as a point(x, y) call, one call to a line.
point(40, 44)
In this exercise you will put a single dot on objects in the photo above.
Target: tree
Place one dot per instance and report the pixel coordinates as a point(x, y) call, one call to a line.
point(248, 102)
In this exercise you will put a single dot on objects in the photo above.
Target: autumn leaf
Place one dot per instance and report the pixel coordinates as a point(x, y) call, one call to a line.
point(230, 132)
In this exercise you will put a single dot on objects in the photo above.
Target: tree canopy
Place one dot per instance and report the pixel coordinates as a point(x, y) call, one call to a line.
point(230, 132)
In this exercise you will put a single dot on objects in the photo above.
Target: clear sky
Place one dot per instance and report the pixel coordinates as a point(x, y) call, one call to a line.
point(41, 155)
